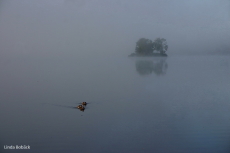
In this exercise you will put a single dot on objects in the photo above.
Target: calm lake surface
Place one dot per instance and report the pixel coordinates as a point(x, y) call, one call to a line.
point(57, 54)
point(175, 104)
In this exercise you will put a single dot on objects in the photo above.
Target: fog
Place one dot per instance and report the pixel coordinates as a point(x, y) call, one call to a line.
point(55, 54)
point(96, 28)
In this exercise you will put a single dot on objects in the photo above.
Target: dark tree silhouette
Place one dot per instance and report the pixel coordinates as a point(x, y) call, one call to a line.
point(144, 46)
point(160, 45)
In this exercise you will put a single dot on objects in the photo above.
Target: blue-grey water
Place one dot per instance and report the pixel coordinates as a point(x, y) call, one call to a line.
point(57, 54)
point(173, 104)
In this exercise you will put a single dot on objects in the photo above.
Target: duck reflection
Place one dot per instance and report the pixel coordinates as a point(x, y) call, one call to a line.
point(156, 65)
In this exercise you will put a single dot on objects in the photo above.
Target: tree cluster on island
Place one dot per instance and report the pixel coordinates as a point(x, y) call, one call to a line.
point(147, 47)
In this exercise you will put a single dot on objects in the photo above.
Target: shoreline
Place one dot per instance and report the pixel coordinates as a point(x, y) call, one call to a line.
point(148, 55)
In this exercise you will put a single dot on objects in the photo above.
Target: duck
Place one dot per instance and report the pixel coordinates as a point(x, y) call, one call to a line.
point(80, 107)
point(84, 103)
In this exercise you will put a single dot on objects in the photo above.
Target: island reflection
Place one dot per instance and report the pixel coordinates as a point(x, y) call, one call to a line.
point(157, 65)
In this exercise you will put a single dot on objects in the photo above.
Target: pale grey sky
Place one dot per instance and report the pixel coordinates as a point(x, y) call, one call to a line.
point(113, 25)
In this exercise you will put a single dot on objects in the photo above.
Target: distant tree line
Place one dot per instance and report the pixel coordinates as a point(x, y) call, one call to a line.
point(147, 47)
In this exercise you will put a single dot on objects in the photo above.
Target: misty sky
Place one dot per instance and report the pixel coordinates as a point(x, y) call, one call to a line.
point(69, 51)
point(112, 27)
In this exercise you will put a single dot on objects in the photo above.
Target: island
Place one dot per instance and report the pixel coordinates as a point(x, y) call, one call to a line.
point(147, 47)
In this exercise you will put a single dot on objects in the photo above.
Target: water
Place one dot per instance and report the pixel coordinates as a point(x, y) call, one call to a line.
point(57, 54)
point(173, 104)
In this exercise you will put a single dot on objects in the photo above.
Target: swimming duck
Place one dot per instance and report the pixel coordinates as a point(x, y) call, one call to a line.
point(80, 107)
point(84, 103)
